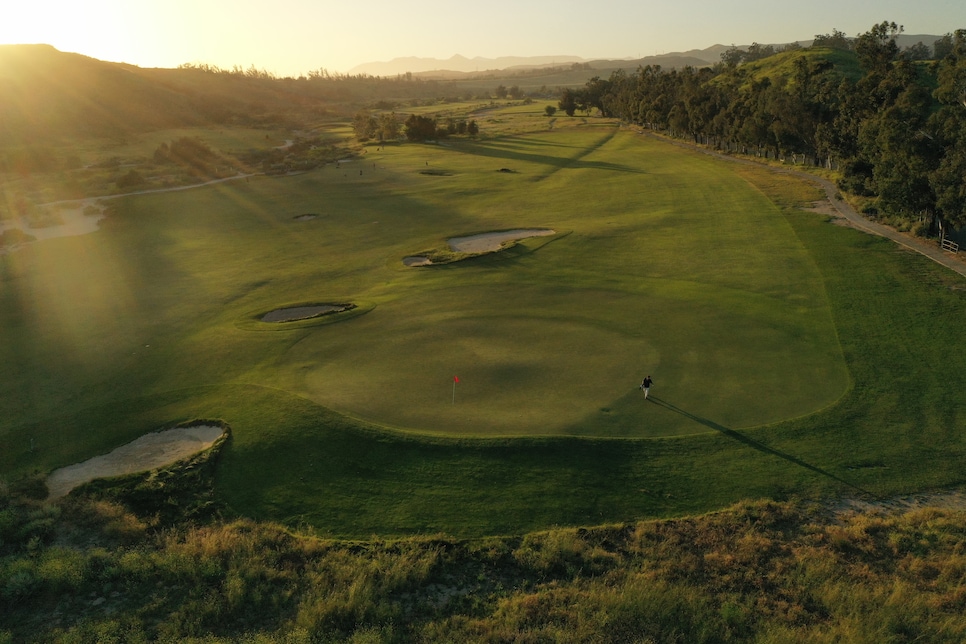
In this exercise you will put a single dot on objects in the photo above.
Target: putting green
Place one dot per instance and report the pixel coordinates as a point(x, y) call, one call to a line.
point(518, 373)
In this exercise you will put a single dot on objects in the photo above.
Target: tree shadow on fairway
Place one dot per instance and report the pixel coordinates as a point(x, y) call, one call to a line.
point(750, 442)
point(494, 150)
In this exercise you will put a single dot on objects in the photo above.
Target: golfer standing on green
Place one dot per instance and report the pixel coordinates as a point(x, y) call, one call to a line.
point(646, 386)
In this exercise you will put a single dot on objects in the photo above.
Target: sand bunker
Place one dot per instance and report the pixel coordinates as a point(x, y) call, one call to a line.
point(57, 220)
point(146, 453)
point(417, 260)
point(481, 244)
point(303, 312)
point(489, 242)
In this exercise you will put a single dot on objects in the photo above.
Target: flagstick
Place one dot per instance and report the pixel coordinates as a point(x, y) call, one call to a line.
point(454, 392)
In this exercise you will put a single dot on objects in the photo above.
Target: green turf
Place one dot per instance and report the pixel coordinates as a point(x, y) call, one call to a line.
point(745, 313)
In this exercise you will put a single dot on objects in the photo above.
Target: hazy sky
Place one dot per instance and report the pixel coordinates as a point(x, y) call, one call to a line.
point(291, 37)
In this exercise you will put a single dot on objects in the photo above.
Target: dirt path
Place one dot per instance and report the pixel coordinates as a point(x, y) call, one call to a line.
point(152, 191)
point(75, 222)
point(924, 247)
point(146, 453)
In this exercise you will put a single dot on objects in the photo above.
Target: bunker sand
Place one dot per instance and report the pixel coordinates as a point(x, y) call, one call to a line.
point(145, 453)
point(490, 242)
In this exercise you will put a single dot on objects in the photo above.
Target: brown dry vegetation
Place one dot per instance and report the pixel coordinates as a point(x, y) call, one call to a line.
point(91, 569)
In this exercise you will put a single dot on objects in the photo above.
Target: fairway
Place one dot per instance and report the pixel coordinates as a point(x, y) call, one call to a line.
point(663, 262)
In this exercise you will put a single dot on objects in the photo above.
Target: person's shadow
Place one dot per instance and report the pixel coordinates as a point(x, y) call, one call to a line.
point(750, 442)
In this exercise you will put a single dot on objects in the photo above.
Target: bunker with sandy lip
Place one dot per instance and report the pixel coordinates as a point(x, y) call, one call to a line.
point(148, 452)
point(480, 244)
point(295, 313)
point(489, 242)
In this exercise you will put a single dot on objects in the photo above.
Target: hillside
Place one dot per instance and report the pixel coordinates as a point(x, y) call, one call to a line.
point(47, 93)
point(758, 571)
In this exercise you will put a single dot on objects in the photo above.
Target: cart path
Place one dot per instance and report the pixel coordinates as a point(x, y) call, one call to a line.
point(189, 186)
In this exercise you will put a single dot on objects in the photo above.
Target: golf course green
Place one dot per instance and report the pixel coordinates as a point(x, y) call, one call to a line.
point(779, 344)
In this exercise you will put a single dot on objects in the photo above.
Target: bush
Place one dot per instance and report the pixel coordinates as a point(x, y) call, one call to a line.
point(130, 180)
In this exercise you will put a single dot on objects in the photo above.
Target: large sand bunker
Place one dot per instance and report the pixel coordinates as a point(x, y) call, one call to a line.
point(303, 312)
point(146, 453)
point(489, 242)
point(480, 244)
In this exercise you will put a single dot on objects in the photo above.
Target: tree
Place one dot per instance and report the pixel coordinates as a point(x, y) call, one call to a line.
point(364, 125)
point(515, 92)
point(594, 95)
point(132, 179)
point(472, 128)
point(388, 127)
point(550, 110)
point(757, 52)
point(568, 101)
point(946, 180)
point(919, 51)
point(952, 72)
point(877, 48)
point(732, 57)
point(835, 40)
point(420, 128)
point(500, 91)
point(942, 47)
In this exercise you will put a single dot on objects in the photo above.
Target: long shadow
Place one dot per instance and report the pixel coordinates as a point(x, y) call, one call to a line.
point(492, 150)
point(750, 442)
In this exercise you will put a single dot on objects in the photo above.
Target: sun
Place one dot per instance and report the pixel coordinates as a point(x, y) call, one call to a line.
point(104, 29)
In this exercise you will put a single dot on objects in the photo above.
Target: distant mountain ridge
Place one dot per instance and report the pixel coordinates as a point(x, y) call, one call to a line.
point(461, 64)
point(457, 63)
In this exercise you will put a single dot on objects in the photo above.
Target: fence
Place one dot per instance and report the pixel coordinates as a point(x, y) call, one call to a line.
point(950, 245)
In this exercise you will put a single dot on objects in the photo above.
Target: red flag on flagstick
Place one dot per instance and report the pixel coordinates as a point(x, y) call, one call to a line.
point(456, 378)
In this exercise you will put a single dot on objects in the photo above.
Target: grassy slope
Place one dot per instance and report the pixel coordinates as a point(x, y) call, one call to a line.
point(190, 266)
point(762, 572)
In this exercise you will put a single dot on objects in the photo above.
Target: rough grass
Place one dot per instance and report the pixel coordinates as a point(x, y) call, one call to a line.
point(763, 572)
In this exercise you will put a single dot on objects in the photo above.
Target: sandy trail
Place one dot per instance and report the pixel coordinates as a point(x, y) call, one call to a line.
point(146, 453)
point(948, 500)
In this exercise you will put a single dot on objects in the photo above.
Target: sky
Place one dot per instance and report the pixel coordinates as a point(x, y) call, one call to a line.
point(293, 37)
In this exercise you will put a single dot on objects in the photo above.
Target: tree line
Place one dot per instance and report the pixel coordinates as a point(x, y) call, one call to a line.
point(891, 121)
point(386, 127)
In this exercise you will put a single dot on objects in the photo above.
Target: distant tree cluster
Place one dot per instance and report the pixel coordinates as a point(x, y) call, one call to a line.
point(186, 151)
point(894, 127)
point(424, 128)
point(384, 127)
point(514, 92)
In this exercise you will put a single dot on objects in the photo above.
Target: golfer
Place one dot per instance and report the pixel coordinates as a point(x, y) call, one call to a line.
point(646, 386)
